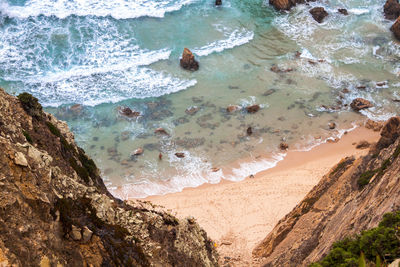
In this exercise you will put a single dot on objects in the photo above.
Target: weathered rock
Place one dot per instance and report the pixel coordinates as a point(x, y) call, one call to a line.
point(391, 9)
point(232, 108)
point(360, 103)
point(338, 207)
point(318, 13)
point(61, 198)
point(20, 159)
point(126, 111)
point(343, 11)
point(188, 62)
point(192, 110)
point(86, 234)
point(396, 28)
point(180, 155)
point(161, 131)
point(283, 146)
point(249, 131)
point(281, 4)
point(75, 233)
point(374, 125)
point(253, 108)
point(138, 151)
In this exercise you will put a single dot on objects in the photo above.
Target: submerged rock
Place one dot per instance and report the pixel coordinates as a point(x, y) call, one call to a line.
point(126, 111)
point(180, 155)
point(249, 131)
point(391, 9)
point(192, 110)
point(343, 11)
point(318, 13)
point(332, 125)
point(232, 108)
point(138, 151)
point(360, 103)
point(188, 62)
point(218, 2)
point(253, 108)
point(396, 28)
point(160, 131)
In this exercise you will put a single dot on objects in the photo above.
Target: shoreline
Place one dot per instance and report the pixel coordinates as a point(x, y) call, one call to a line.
point(238, 215)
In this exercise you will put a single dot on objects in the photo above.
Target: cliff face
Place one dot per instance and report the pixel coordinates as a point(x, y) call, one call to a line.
point(56, 211)
point(353, 197)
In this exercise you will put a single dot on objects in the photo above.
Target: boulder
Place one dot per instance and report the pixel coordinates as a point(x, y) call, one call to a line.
point(343, 11)
point(128, 112)
point(283, 146)
point(20, 159)
point(188, 62)
point(332, 125)
point(161, 131)
point(249, 131)
point(75, 233)
point(391, 9)
point(396, 28)
point(138, 151)
point(373, 125)
point(87, 234)
point(180, 155)
point(390, 132)
point(318, 13)
point(232, 108)
point(360, 103)
point(363, 144)
point(281, 4)
point(253, 108)
point(218, 2)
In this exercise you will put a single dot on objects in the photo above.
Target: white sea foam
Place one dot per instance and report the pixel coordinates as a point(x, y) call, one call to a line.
point(119, 9)
point(236, 38)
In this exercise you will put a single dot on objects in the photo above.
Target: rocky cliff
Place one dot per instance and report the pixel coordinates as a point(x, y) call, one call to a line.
point(56, 211)
point(353, 197)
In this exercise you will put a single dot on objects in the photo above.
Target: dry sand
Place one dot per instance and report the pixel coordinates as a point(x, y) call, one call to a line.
point(238, 215)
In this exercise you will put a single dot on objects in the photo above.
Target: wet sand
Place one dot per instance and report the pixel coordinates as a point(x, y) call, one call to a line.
point(238, 215)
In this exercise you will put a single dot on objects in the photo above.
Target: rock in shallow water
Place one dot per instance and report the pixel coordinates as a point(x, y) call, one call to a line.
point(188, 62)
point(396, 28)
point(391, 9)
point(318, 13)
point(360, 103)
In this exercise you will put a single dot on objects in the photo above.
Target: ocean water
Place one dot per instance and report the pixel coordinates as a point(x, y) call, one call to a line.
point(103, 55)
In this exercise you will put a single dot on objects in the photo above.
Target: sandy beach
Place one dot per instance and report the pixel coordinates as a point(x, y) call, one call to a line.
point(238, 215)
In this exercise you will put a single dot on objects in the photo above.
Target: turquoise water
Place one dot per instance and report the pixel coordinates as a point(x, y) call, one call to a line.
point(106, 54)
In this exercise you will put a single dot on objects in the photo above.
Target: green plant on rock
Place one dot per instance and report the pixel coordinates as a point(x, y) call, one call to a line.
point(374, 245)
point(31, 105)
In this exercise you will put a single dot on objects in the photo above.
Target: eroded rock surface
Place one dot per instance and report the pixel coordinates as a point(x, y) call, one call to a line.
point(56, 211)
point(352, 197)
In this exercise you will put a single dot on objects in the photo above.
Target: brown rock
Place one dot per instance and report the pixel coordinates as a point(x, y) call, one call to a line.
point(20, 159)
point(253, 108)
point(138, 151)
point(396, 28)
point(343, 11)
point(188, 62)
point(391, 9)
point(218, 2)
point(126, 111)
point(360, 103)
point(232, 108)
point(215, 169)
point(191, 110)
point(345, 91)
point(318, 13)
point(373, 125)
point(161, 131)
point(281, 4)
point(283, 146)
point(391, 129)
point(160, 156)
point(332, 125)
point(180, 155)
point(249, 131)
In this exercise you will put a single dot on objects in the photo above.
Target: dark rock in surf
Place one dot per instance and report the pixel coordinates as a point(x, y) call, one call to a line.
point(218, 2)
point(180, 155)
point(360, 103)
point(396, 28)
point(391, 9)
point(318, 13)
point(253, 108)
point(343, 11)
point(188, 62)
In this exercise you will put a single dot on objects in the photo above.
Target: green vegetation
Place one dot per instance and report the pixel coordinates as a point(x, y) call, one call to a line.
point(27, 136)
point(366, 176)
point(53, 129)
point(382, 242)
point(31, 105)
